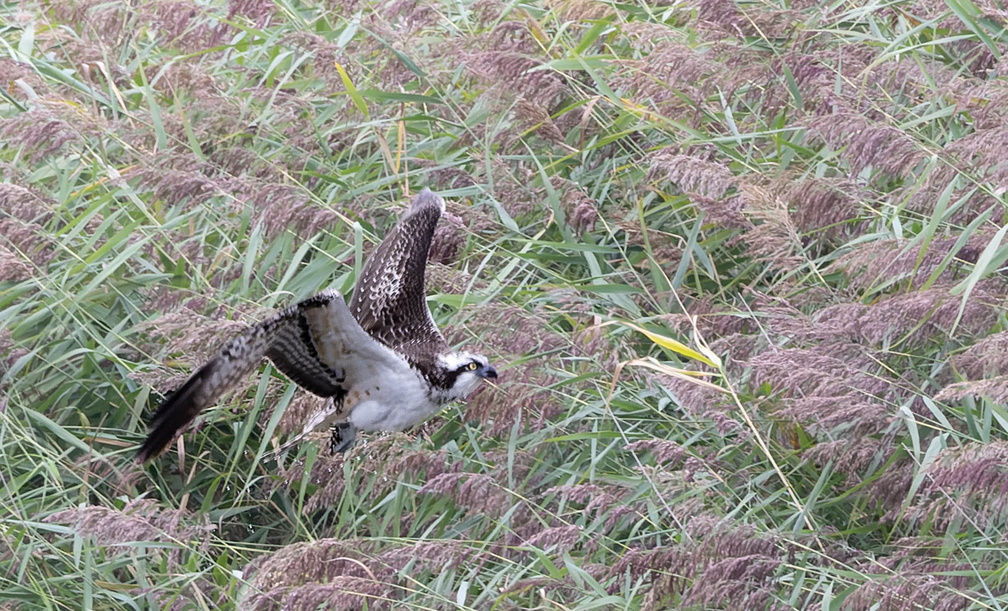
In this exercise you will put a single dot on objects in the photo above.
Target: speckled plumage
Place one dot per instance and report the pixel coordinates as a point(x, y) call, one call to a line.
point(389, 300)
point(382, 361)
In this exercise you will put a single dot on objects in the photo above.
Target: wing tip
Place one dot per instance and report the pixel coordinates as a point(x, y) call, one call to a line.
point(177, 410)
point(148, 451)
point(425, 199)
point(158, 440)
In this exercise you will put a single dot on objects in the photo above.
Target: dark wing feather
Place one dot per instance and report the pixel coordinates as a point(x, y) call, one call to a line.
point(178, 409)
point(286, 338)
point(389, 300)
point(293, 351)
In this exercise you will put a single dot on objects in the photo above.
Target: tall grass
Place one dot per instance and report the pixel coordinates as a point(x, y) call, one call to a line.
point(740, 265)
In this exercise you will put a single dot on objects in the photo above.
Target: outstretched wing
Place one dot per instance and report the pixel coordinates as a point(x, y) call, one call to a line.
point(316, 343)
point(389, 300)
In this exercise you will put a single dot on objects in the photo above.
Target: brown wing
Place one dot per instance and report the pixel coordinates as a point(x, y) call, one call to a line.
point(389, 300)
point(289, 338)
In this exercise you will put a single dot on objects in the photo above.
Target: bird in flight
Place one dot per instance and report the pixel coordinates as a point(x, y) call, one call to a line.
point(381, 362)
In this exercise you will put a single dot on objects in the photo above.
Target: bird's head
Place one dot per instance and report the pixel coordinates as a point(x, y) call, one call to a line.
point(463, 372)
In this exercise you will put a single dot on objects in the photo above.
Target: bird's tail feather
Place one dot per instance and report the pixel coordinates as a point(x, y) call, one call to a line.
point(232, 363)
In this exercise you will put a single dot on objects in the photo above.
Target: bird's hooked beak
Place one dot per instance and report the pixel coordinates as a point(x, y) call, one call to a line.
point(488, 372)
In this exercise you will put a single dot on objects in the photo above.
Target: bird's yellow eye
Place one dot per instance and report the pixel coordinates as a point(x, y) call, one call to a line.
point(473, 366)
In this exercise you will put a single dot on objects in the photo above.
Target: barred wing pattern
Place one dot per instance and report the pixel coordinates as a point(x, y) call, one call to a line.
point(316, 343)
point(328, 348)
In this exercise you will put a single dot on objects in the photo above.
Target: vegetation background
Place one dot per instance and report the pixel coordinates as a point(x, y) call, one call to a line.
point(741, 265)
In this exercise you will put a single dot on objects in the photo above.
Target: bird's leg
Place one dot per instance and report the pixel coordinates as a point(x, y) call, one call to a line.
point(343, 436)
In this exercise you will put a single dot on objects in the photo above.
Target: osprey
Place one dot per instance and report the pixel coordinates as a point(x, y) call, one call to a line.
point(382, 362)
